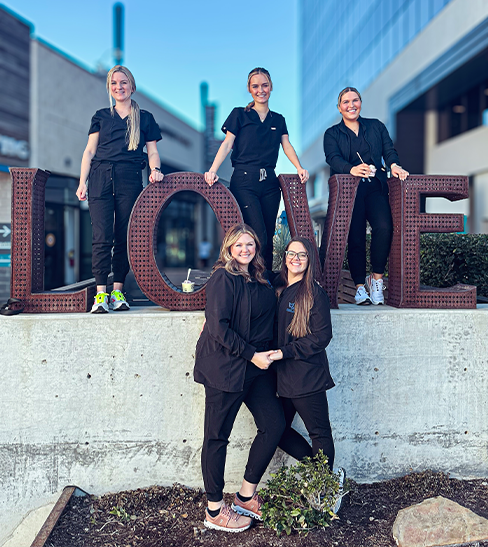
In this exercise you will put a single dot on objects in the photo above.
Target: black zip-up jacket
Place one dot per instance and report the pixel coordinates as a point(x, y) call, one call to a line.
point(223, 350)
point(304, 369)
point(337, 148)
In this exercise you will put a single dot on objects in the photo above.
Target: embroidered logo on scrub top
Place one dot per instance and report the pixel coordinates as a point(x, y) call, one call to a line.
point(273, 128)
point(291, 307)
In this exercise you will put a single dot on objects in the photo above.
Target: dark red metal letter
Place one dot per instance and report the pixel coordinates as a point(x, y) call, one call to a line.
point(404, 270)
point(143, 232)
point(27, 281)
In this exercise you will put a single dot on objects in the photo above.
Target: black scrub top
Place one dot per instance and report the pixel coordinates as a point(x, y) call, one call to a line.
point(263, 304)
point(257, 143)
point(113, 141)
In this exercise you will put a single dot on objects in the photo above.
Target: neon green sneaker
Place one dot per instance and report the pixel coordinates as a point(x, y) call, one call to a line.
point(100, 303)
point(118, 301)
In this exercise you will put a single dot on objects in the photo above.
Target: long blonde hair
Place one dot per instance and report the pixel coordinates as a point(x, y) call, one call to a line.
point(133, 134)
point(229, 263)
point(254, 71)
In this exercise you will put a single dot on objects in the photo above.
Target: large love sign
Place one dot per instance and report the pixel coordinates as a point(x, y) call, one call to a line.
point(28, 190)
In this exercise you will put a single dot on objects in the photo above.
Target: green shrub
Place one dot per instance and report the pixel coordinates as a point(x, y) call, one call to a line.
point(447, 259)
point(300, 497)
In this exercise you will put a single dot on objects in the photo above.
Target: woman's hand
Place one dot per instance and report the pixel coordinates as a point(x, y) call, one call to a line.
point(303, 174)
point(211, 177)
point(362, 170)
point(156, 176)
point(276, 355)
point(398, 172)
point(262, 360)
point(81, 192)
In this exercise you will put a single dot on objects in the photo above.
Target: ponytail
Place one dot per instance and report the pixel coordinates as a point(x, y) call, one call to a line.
point(133, 134)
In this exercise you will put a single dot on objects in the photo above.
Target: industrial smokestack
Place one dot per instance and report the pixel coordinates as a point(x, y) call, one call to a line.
point(119, 33)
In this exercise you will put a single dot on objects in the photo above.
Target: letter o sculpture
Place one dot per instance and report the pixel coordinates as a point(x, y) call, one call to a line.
point(142, 235)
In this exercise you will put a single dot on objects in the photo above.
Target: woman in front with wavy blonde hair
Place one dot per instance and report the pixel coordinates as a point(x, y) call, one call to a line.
point(231, 361)
point(111, 178)
point(254, 134)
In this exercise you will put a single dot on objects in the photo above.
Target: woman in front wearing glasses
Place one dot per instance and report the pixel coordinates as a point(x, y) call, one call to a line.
point(304, 331)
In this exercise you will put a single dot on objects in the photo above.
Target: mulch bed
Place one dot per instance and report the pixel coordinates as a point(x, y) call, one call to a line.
point(173, 516)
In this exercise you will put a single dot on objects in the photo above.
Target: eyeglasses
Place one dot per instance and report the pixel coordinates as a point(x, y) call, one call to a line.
point(293, 254)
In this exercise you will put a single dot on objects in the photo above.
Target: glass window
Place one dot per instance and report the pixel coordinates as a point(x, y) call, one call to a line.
point(410, 22)
point(386, 42)
point(397, 35)
point(424, 7)
point(437, 5)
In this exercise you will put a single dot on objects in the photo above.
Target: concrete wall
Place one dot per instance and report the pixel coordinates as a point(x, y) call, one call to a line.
point(109, 403)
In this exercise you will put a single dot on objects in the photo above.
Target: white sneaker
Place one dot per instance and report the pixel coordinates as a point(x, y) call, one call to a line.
point(362, 298)
point(375, 289)
point(341, 472)
point(100, 303)
point(118, 301)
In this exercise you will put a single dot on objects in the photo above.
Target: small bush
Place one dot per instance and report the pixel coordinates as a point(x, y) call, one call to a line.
point(300, 497)
point(448, 259)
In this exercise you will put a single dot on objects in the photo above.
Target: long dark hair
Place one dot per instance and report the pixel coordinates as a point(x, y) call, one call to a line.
point(300, 324)
point(228, 262)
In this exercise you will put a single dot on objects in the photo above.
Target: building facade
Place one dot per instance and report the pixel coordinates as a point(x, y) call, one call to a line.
point(422, 68)
point(43, 125)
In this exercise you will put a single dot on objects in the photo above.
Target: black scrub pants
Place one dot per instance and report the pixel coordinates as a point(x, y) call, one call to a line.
point(371, 204)
point(314, 411)
point(221, 408)
point(112, 191)
point(259, 202)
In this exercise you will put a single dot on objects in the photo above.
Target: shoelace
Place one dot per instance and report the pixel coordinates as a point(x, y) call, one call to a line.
point(377, 285)
point(100, 297)
point(228, 512)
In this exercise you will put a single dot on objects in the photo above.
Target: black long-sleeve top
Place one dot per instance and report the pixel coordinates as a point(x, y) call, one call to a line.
point(337, 148)
point(304, 369)
point(227, 343)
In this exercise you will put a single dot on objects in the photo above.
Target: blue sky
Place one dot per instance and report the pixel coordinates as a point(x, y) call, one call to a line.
point(171, 47)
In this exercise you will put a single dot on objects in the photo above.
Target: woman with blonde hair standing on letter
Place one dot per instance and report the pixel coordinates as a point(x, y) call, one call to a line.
point(254, 134)
point(363, 148)
point(111, 178)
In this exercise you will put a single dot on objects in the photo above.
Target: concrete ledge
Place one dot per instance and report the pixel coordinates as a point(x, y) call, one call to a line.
point(109, 403)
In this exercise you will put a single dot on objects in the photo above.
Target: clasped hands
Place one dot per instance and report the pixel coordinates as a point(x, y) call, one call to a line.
point(263, 359)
